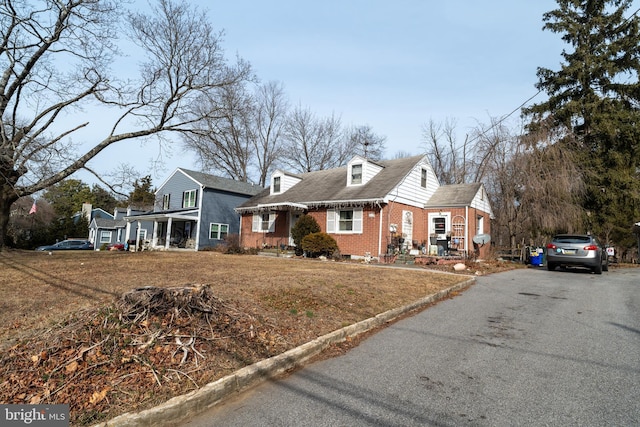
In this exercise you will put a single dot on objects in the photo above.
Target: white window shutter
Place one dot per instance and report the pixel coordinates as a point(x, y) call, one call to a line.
point(272, 222)
point(357, 220)
point(331, 221)
point(255, 226)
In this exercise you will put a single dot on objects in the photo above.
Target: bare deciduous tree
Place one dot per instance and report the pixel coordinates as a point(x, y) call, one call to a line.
point(535, 186)
point(55, 59)
point(365, 142)
point(271, 108)
point(449, 158)
point(225, 140)
point(313, 143)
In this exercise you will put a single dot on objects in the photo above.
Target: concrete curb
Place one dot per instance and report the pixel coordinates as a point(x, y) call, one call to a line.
point(180, 408)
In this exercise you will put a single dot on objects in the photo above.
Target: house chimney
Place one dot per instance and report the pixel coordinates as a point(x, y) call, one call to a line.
point(86, 211)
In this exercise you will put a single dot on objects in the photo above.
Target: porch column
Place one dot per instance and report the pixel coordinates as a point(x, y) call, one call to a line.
point(139, 224)
point(168, 238)
point(154, 234)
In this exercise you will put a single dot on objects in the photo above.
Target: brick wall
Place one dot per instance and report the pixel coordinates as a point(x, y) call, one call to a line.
point(376, 234)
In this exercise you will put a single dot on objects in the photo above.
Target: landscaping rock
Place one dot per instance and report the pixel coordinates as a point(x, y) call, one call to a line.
point(459, 267)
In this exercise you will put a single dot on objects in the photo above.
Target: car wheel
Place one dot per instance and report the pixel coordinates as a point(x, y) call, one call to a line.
point(551, 266)
point(597, 269)
point(605, 267)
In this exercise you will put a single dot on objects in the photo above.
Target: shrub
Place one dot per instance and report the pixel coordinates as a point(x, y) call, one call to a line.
point(305, 225)
point(316, 244)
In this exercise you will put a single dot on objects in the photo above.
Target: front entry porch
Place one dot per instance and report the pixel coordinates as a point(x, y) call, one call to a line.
point(171, 230)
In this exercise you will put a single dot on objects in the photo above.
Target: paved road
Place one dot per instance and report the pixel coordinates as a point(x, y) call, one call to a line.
point(526, 347)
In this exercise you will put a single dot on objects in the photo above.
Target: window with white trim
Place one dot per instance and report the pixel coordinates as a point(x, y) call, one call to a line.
point(480, 224)
point(264, 222)
point(218, 231)
point(276, 184)
point(356, 174)
point(423, 178)
point(189, 199)
point(165, 201)
point(105, 236)
point(344, 221)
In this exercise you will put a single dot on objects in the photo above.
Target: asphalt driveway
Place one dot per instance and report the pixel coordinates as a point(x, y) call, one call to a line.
point(525, 347)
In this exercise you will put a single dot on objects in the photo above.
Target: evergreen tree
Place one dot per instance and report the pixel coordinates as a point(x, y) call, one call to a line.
point(593, 99)
point(143, 194)
point(67, 197)
point(305, 225)
point(101, 198)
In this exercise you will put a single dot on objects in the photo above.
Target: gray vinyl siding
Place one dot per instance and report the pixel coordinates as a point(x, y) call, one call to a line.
point(218, 207)
point(216, 200)
point(175, 187)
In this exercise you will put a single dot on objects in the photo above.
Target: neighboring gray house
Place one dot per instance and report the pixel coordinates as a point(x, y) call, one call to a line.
point(194, 210)
point(104, 231)
point(90, 213)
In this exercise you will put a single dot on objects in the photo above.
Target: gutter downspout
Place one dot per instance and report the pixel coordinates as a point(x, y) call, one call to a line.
point(380, 233)
point(466, 227)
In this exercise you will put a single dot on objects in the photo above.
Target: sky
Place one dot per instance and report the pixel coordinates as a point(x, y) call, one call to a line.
point(394, 66)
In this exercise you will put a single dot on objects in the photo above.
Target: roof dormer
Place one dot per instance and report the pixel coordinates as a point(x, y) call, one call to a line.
point(282, 181)
point(360, 171)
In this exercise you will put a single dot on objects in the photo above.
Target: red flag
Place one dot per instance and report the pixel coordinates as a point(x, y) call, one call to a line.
point(34, 208)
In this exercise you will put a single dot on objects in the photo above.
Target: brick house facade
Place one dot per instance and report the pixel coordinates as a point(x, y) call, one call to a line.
point(370, 208)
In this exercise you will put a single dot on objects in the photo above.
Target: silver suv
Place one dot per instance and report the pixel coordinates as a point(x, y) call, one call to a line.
point(579, 250)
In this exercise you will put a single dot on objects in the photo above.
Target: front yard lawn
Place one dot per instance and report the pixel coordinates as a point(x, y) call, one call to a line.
point(69, 336)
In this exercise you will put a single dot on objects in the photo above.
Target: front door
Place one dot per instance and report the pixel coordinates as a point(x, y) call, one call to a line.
point(293, 218)
point(407, 229)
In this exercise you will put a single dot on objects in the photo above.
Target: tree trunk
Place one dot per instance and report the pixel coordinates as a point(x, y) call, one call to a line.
point(7, 197)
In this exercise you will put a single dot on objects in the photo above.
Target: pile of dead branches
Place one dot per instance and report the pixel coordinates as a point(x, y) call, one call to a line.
point(152, 344)
point(188, 300)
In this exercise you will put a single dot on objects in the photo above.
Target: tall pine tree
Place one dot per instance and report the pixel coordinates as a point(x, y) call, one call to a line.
point(594, 98)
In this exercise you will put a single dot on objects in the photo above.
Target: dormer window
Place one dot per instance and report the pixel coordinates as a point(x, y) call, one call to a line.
point(356, 174)
point(276, 184)
point(360, 171)
point(423, 178)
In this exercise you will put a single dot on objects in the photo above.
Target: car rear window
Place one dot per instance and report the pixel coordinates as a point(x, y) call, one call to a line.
point(573, 239)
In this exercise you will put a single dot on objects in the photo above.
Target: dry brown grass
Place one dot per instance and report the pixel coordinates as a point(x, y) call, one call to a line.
point(289, 302)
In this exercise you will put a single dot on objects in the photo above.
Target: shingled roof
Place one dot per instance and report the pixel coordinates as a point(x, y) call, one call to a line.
point(455, 195)
point(110, 223)
point(224, 184)
point(329, 186)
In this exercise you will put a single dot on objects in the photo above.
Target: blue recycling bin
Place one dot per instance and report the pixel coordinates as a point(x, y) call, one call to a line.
point(536, 256)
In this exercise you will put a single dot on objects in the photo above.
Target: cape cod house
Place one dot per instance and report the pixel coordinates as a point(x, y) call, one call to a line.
point(194, 210)
point(371, 209)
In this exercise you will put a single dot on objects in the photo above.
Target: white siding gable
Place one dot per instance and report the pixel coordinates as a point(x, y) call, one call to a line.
point(410, 190)
point(286, 181)
point(481, 201)
point(368, 170)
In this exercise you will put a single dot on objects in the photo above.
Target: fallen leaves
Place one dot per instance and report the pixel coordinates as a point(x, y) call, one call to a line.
point(161, 345)
point(99, 396)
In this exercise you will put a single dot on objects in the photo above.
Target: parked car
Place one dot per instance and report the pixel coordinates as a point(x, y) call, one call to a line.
point(70, 244)
point(579, 250)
